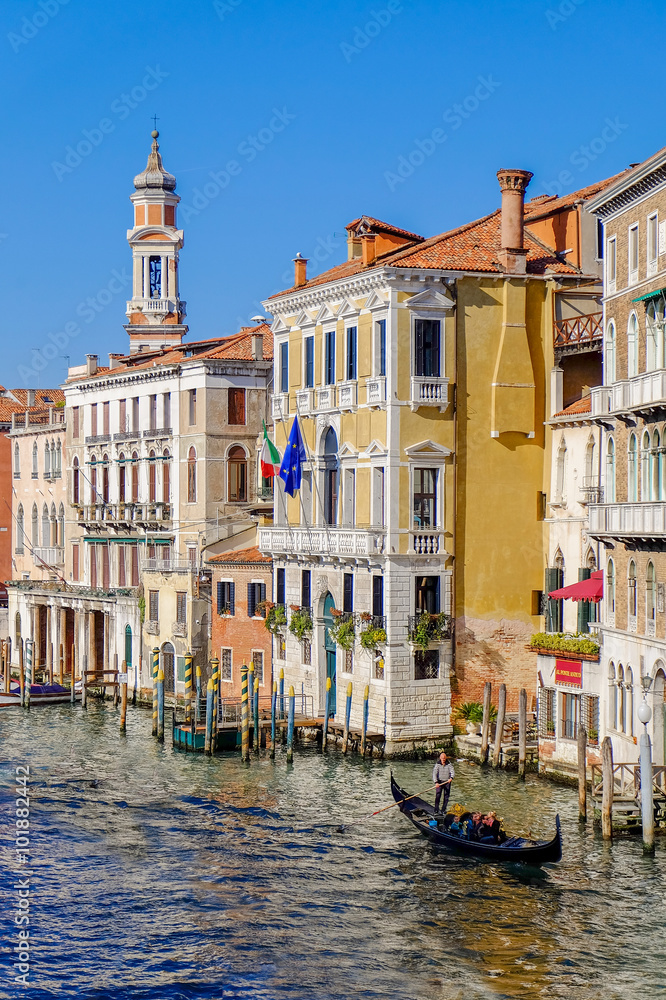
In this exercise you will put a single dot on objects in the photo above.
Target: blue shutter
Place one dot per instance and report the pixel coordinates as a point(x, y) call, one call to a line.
point(382, 347)
point(220, 598)
point(251, 600)
point(232, 598)
point(262, 592)
point(284, 367)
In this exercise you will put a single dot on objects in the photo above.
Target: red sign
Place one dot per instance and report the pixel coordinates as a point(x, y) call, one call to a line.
point(569, 672)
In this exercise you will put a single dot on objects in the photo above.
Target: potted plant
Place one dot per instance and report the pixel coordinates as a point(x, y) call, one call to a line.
point(300, 622)
point(372, 637)
point(276, 618)
point(471, 712)
point(343, 633)
point(429, 628)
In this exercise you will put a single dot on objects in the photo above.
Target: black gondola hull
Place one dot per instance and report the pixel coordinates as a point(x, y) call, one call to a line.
point(538, 853)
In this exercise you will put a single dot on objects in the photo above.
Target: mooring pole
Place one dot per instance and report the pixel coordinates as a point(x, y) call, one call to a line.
point(607, 789)
point(210, 699)
point(290, 726)
point(257, 733)
point(188, 688)
point(364, 725)
point(345, 739)
point(61, 664)
point(485, 728)
point(84, 689)
point(160, 705)
point(123, 706)
point(250, 699)
point(647, 794)
point(116, 688)
point(156, 666)
point(501, 712)
point(273, 711)
point(522, 732)
point(282, 692)
point(197, 703)
point(582, 774)
point(6, 667)
point(29, 653)
point(215, 669)
point(324, 736)
point(245, 723)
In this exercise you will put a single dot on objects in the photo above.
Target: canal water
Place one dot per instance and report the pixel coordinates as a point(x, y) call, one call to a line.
point(156, 874)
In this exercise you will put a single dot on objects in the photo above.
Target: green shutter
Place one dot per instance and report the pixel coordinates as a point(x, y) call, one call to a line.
point(553, 608)
point(583, 606)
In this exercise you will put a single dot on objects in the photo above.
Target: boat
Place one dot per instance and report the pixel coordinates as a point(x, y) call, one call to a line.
point(40, 694)
point(427, 822)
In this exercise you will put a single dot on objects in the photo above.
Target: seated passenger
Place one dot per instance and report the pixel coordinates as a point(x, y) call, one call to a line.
point(490, 829)
point(474, 826)
point(448, 820)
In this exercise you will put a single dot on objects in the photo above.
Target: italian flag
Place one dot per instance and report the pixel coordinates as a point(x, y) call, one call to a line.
point(270, 457)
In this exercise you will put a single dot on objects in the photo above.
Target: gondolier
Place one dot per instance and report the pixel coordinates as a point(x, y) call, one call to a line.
point(442, 775)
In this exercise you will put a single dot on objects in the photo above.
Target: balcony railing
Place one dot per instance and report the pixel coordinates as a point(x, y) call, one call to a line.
point(325, 398)
point(54, 555)
point(435, 627)
point(305, 402)
point(154, 305)
point(591, 490)
point(578, 330)
point(98, 439)
point(347, 395)
point(158, 432)
point(641, 393)
point(628, 520)
point(426, 542)
point(152, 627)
point(125, 513)
point(429, 391)
point(323, 541)
point(169, 565)
point(179, 629)
point(280, 405)
point(375, 390)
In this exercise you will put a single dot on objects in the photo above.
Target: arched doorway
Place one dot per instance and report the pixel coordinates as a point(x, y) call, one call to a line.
point(330, 650)
point(658, 713)
point(168, 662)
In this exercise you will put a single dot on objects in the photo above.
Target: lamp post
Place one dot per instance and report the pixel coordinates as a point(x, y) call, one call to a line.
point(647, 804)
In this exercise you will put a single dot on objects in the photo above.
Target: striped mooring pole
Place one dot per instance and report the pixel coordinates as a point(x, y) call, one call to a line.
point(326, 711)
point(364, 729)
point(273, 711)
point(282, 692)
point(345, 739)
point(160, 705)
point(215, 670)
point(156, 666)
point(188, 687)
point(257, 734)
point(250, 699)
point(29, 653)
point(245, 730)
point(197, 703)
point(210, 699)
point(290, 726)
point(123, 702)
point(21, 673)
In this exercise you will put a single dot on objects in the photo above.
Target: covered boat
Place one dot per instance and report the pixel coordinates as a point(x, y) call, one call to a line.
point(427, 822)
point(40, 694)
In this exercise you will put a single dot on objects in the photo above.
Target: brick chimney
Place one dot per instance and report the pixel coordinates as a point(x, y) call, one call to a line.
point(513, 183)
point(368, 243)
point(30, 397)
point(91, 364)
point(257, 347)
point(300, 271)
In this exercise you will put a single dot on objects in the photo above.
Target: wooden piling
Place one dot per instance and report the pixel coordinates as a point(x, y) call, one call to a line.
point(160, 705)
point(282, 692)
point(197, 703)
point(501, 712)
point(245, 722)
point(215, 676)
point(84, 689)
point(188, 688)
point(607, 788)
point(6, 668)
point(582, 774)
point(364, 724)
point(61, 664)
point(72, 666)
point(345, 738)
point(326, 711)
point(522, 732)
point(485, 727)
point(155, 669)
point(116, 689)
point(255, 706)
point(290, 726)
point(123, 706)
point(210, 701)
point(273, 711)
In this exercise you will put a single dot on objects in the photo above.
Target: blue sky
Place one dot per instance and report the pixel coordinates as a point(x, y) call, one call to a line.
point(352, 107)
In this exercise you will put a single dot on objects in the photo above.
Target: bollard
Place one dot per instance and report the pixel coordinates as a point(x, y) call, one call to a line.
point(245, 722)
point(156, 664)
point(501, 712)
point(160, 705)
point(29, 653)
point(188, 688)
point(72, 690)
point(290, 726)
point(123, 706)
point(61, 665)
point(273, 710)
point(522, 732)
point(485, 727)
point(255, 701)
point(345, 739)
point(197, 703)
point(215, 672)
point(326, 710)
point(364, 725)
point(210, 699)
point(282, 692)
point(647, 796)
point(607, 789)
point(21, 676)
point(582, 774)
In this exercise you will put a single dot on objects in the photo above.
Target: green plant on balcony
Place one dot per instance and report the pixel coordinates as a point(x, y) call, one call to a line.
point(372, 637)
point(343, 633)
point(561, 642)
point(142, 608)
point(276, 618)
point(429, 628)
point(300, 622)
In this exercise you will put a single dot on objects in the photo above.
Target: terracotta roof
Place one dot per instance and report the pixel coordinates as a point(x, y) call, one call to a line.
point(383, 227)
point(252, 555)
point(580, 406)
point(41, 395)
point(541, 205)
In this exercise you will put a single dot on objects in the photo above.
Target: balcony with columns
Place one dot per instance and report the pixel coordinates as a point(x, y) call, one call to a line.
point(627, 521)
point(639, 394)
point(323, 540)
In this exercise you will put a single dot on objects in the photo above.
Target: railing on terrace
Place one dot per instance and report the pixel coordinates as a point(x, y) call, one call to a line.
point(627, 782)
point(125, 512)
point(641, 520)
point(578, 330)
point(438, 628)
point(52, 415)
point(323, 540)
point(54, 555)
point(169, 565)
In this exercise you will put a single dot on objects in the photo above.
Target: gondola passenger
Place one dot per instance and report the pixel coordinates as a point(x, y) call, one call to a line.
point(490, 832)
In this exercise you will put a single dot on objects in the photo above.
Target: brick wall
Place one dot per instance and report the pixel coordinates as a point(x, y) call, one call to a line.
point(239, 632)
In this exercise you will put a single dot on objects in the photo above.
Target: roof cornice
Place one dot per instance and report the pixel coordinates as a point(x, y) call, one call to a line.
point(641, 181)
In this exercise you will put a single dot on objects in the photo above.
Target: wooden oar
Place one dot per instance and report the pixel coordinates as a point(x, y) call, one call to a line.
point(343, 826)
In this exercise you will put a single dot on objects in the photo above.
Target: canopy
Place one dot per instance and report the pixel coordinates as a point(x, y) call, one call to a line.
point(584, 590)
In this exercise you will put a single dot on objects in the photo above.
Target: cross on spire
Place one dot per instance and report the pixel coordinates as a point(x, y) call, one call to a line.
point(155, 121)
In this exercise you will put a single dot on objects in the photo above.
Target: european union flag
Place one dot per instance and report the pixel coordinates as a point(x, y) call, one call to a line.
point(294, 455)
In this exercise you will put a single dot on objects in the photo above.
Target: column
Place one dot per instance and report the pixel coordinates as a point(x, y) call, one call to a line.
point(164, 275)
point(37, 635)
point(92, 648)
point(146, 277)
point(105, 653)
point(49, 642)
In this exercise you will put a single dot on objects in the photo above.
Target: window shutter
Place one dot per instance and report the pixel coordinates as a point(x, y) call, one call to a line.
point(554, 578)
point(262, 592)
point(377, 596)
point(232, 598)
point(251, 600)
point(583, 606)
point(220, 600)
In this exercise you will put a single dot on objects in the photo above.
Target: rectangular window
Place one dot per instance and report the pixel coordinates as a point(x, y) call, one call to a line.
point(134, 549)
point(284, 366)
point(349, 661)
point(122, 415)
point(106, 418)
point(181, 608)
point(378, 507)
point(633, 254)
point(280, 587)
point(652, 246)
point(192, 556)
point(226, 597)
point(256, 594)
point(306, 498)
point(570, 716)
point(75, 562)
point(153, 605)
point(378, 666)
point(349, 499)
point(75, 422)
point(236, 406)
point(93, 565)
point(307, 652)
point(381, 347)
point(135, 415)
point(427, 594)
point(426, 664)
point(426, 347)
point(225, 664)
point(121, 565)
point(309, 362)
point(105, 567)
point(153, 413)
point(193, 407)
point(348, 592)
point(547, 713)
point(554, 608)
point(425, 498)
point(306, 588)
point(93, 419)
point(352, 338)
point(258, 662)
point(378, 596)
point(166, 410)
point(589, 717)
point(600, 240)
point(329, 357)
point(611, 262)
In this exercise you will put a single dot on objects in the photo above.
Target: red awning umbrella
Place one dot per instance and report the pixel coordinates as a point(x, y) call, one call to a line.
point(584, 590)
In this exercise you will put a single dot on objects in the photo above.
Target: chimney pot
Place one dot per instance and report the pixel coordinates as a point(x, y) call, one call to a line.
point(368, 243)
point(513, 184)
point(300, 271)
point(91, 364)
point(258, 346)
point(113, 360)
point(31, 397)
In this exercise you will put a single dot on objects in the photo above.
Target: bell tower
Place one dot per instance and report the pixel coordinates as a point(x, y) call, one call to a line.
point(155, 312)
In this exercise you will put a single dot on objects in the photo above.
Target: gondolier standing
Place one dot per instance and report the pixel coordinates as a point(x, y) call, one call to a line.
point(442, 775)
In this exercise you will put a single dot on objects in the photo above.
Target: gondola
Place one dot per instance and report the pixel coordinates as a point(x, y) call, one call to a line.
point(530, 852)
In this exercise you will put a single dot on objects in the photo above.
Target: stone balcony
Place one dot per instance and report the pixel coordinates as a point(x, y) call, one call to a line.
point(640, 394)
point(429, 391)
point(324, 541)
point(625, 521)
point(375, 389)
point(280, 405)
point(54, 555)
point(124, 513)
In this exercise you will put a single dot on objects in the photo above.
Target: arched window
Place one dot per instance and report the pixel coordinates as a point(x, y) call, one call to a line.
point(632, 470)
point(631, 597)
point(17, 629)
point(560, 475)
point(35, 461)
point(47, 460)
point(46, 526)
point(192, 475)
point(58, 459)
point(629, 691)
point(61, 525)
point(20, 528)
point(650, 596)
point(331, 477)
point(646, 478)
point(94, 498)
point(609, 354)
point(652, 338)
point(105, 478)
point(610, 471)
point(135, 477)
point(590, 462)
point(76, 492)
point(610, 591)
point(622, 705)
point(166, 477)
point(34, 536)
point(632, 346)
point(237, 474)
point(152, 478)
point(655, 466)
point(612, 696)
point(17, 461)
point(54, 526)
point(121, 477)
